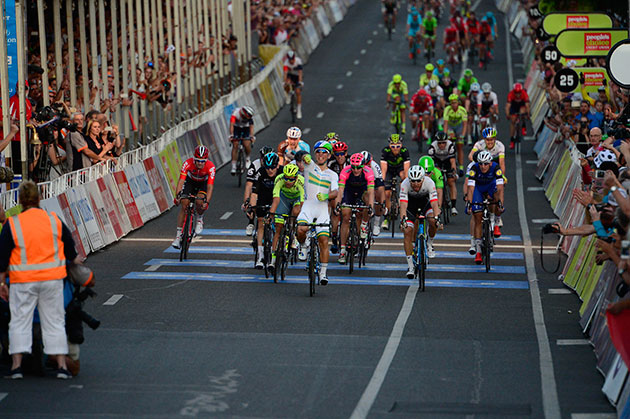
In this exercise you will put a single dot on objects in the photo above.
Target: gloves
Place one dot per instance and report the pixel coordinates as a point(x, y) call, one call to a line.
point(468, 208)
point(370, 211)
point(245, 205)
point(176, 201)
point(322, 196)
point(403, 222)
point(501, 207)
point(337, 209)
point(307, 159)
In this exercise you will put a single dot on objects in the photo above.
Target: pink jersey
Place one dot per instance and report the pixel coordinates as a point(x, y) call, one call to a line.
point(348, 180)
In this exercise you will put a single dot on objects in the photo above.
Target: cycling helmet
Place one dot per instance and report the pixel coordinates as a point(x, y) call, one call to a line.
point(416, 173)
point(429, 13)
point(323, 144)
point(468, 72)
point(440, 62)
point(299, 155)
point(340, 147)
point(264, 150)
point(201, 152)
point(453, 97)
point(518, 87)
point(290, 170)
point(332, 136)
point(429, 67)
point(475, 87)
point(291, 54)
point(440, 136)
point(294, 133)
point(486, 87)
point(433, 83)
point(247, 112)
point(489, 132)
point(426, 163)
point(395, 139)
point(447, 73)
point(484, 157)
point(270, 160)
point(367, 158)
point(356, 159)
point(397, 78)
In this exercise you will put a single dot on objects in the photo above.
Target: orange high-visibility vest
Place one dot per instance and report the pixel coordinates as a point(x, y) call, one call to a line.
point(38, 254)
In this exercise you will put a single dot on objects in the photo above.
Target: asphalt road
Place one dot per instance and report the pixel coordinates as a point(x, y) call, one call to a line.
point(210, 337)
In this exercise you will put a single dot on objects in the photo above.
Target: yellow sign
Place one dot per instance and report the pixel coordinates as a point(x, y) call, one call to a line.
point(593, 79)
point(553, 23)
point(588, 42)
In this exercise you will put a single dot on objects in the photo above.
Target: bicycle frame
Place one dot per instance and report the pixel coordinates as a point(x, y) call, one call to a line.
point(188, 229)
point(396, 115)
point(313, 262)
point(420, 255)
point(487, 236)
point(353, 245)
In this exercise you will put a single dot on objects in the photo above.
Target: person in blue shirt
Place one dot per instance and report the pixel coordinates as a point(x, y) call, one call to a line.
point(440, 69)
point(414, 20)
point(485, 179)
point(585, 112)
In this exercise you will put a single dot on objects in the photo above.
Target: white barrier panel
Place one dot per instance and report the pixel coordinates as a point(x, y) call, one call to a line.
point(336, 11)
point(100, 213)
point(72, 225)
point(142, 192)
point(157, 186)
point(110, 207)
point(112, 188)
point(311, 33)
point(77, 198)
point(323, 20)
point(127, 198)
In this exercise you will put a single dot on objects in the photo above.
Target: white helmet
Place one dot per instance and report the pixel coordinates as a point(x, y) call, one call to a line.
point(484, 157)
point(416, 172)
point(486, 87)
point(433, 83)
point(475, 87)
point(294, 132)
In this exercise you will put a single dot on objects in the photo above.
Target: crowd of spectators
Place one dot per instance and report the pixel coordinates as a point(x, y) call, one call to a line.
point(277, 21)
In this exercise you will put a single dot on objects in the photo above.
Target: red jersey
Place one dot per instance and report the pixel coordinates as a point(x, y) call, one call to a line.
point(512, 98)
point(421, 102)
point(205, 174)
point(450, 34)
point(472, 26)
point(458, 22)
point(485, 28)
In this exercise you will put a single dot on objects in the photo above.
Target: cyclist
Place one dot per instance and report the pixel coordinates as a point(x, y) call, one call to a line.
point(263, 195)
point(492, 21)
point(390, 8)
point(290, 146)
point(455, 118)
point(195, 178)
point(443, 153)
point(321, 186)
point(485, 41)
point(437, 97)
point(397, 90)
point(394, 162)
point(417, 192)
point(293, 78)
point(470, 103)
point(458, 22)
point(432, 172)
point(492, 145)
point(429, 25)
point(356, 186)
point(452, 43)
point(517, 104)
point(414, 21)
point(379, 190)
point(463, 86)
point(428, 76)
point(440, 69)
point(447, 84)
point(332, 137)
point(252, 177)
point(421, 106)
point(472, 28)
point(288, 196)
point(484, 180)
point(488, 104)
point(241, 129)
point(336, 164)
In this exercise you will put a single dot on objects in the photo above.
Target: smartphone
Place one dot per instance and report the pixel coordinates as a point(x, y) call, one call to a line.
point(599, 174)
point(625, 249)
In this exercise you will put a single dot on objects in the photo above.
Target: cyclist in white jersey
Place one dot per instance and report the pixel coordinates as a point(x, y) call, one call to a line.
point(379, 191)
point(320, 186)
point(491, 144)
point(252, 177)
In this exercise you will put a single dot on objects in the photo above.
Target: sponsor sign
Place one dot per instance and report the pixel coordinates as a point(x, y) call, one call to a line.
point(100, 212)
point(588, 42)
point(554, 23)
point(142, 192)
point(593, 78)
point(156, 184)
point(112, 188)
point(12, 49)
point(78, 198)
point(72, 225)
point(128, 201)
point(109, 206)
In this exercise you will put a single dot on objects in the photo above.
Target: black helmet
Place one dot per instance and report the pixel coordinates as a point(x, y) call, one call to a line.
point(264, 150)
point(440, 136)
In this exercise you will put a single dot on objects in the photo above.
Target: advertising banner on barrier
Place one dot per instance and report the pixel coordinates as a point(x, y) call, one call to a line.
point(130, 204)
point(323, 20)
point(336, 11)
point(75, 228)
point(172, 164)
point(615, 379)
point(156, 184)
point(100, 213)
point(311, 33)
point(78, 198)
point(162, 178)
point(588, 42)
point(593, 79)
point(111, 209)
point(141, 190)
point(112, 187)
point(268, 98)
point(553, 23)
point(54, 205)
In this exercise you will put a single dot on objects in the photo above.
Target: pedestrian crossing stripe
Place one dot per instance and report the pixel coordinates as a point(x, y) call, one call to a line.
point(400, 267)
point(334, 280)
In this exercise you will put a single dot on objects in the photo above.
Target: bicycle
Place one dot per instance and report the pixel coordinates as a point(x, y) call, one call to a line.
point(420, 256)
point(285, 252)
point(240, 160)
point(392, 215)
point(353, 247)
point(188, 229)
point(389, 25)
point(292, 102)
point(268, 231)
point(415, 47)
point(365, 244)
point(396, 116)
point(519, 126)
point(313, 263)
point(446, 199)
point(487, 236)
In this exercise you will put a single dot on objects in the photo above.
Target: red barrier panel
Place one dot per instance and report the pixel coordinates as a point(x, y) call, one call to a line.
point(127, 196)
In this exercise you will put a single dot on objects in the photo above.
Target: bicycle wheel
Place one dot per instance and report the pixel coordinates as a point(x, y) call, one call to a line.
point(312, 271)
point(186, 232)
point(393, 214)
point(389, 28)
point(421, 262)
point(293, 106)
point(486, 243)
point(352, 249)
point(240, 166)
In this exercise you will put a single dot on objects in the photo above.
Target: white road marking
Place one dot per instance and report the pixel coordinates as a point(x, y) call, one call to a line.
point(3, 395)
point(340, 86)
point(544, 220)
point(559, 291)
point(77, 386)
point(320, 115)
point(348, 73)
point(547, 251)
point(306, 130)
point(356, 62)
point(153, 268)
point(375, 33)
point(474, 6)
point(371, 391)
point(113, 300)
point(363, 52)
point(226, 215)
point(549, 390)
point(331, 99)
point(529, 138)
point(369, 41)
point(531, 161)
point(572, 342)
point(593, 416)
point(535, 188)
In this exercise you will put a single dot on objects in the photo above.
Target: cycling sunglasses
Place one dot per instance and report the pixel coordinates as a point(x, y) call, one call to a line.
point(415, 181)
point(395, 145)
point(200, 161)
point(290, 179)
point(322, 150)
point(485, 164)
point(358, 167)
point(343, 153)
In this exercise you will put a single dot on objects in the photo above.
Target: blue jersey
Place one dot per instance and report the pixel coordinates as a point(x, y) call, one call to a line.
point(441, 75)
point(414, 25)
point(494, 176)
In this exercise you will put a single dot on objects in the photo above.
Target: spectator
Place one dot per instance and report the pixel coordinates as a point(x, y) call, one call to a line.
point(78, 154)
point(36, 281)
point(93, 140)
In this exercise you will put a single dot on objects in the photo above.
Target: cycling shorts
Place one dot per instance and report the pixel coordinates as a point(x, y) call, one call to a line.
point(480, 192)
point(353, 196)
point(294, 79)
point(423, 204)
point(458, 129)
point(284, 207)
point(192, 187)
point(515, 107)
point(312, 210)
point(389, 10)
point(412, 32)
point(240, 132)
point(378, 182)
point(429, 34)
point(445, 166)
point(389, 176)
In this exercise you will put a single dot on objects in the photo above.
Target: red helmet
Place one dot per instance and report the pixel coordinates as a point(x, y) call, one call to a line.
point(201, 153)
point(356, 159)
point(518, 87)
point(340, 147)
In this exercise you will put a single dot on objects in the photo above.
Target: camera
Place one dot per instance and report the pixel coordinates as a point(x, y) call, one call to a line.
point(550, 228)
point(52, 120)
point(75, 316)
point(599, 174)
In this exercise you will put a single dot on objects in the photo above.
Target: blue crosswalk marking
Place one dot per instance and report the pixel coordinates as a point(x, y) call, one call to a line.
point(343, 280)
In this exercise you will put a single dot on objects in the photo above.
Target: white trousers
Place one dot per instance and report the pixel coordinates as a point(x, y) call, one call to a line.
point(47, 296)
